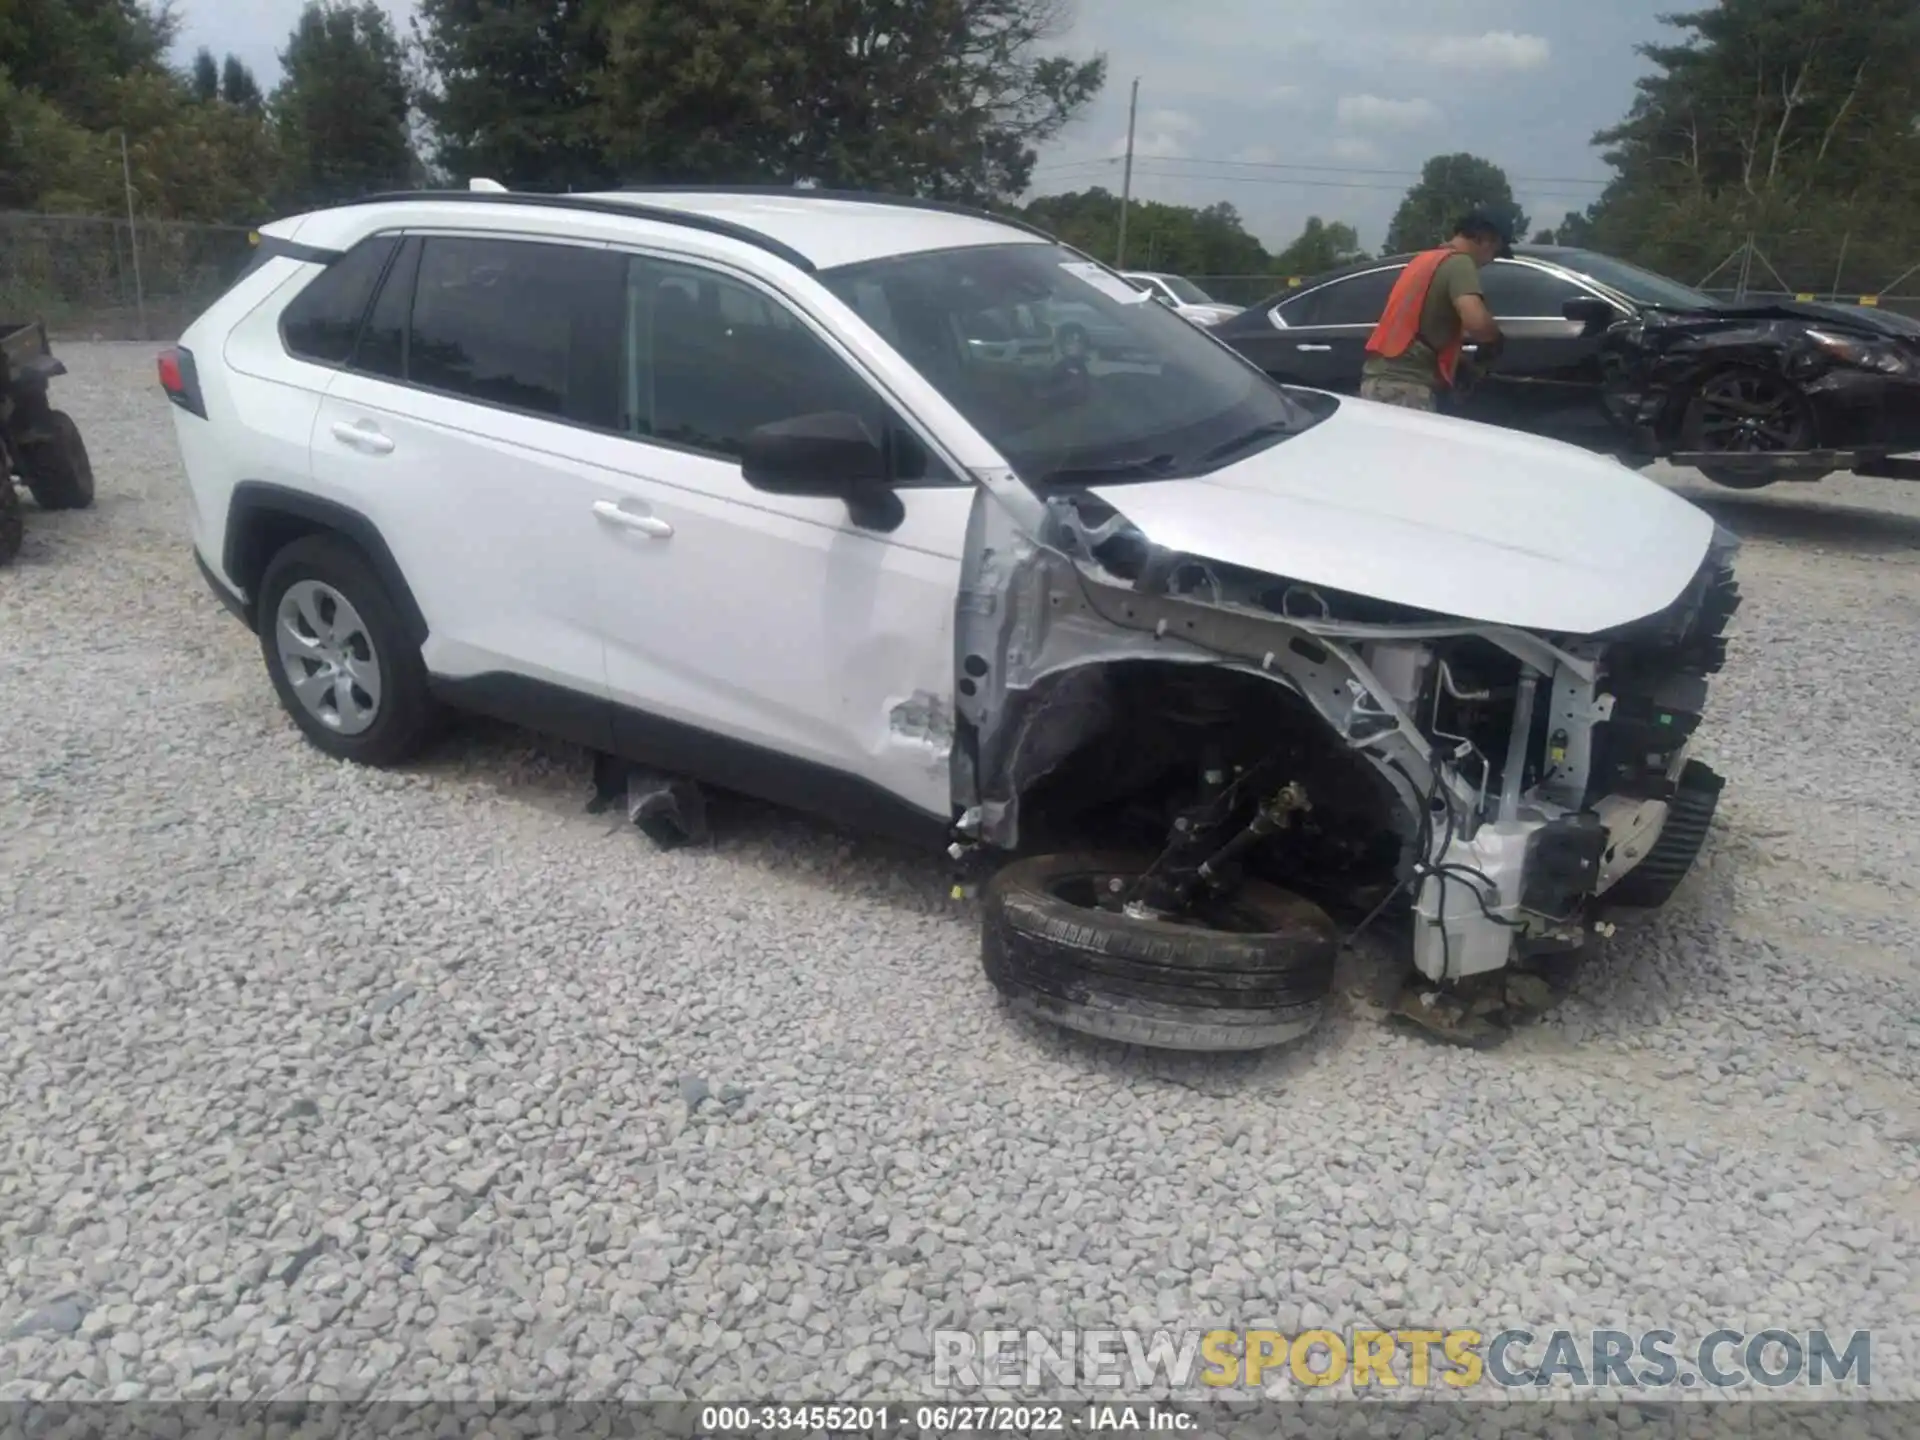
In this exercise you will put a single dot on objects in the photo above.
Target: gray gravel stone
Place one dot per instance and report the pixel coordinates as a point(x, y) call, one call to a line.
point(331, 1081)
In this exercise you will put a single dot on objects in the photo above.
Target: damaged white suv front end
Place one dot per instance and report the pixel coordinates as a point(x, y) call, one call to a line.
point(1339, 666)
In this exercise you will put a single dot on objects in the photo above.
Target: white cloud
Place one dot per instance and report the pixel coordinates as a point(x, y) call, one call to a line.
point(1496, 50)
point(1257, 155)
point(1280, 95)
point(1159, 134)
point(1372, 112)
point(1356, 150)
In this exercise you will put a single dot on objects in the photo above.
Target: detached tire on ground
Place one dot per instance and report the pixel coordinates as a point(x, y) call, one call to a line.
point(338, 654)
point(1255, 974)
point(56, 468)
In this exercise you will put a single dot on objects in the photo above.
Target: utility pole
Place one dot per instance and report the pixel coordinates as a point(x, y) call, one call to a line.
point(1126, 178)
point(133, 236)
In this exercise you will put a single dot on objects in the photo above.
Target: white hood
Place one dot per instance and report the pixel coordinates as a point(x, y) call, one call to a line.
point(1438, 514)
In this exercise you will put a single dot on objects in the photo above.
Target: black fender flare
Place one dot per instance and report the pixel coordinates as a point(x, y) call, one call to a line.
point(258, 517)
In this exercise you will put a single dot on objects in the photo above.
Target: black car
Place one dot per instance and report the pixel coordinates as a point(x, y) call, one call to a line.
point(1615, 357)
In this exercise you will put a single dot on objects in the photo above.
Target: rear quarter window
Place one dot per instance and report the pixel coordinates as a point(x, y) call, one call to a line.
point(322, 322)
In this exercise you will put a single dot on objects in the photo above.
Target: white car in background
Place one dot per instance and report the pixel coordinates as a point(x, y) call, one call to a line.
point(758, 489)
point(1182, 296)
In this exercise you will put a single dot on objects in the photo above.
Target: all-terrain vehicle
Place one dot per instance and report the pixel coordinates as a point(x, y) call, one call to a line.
point(39, 445)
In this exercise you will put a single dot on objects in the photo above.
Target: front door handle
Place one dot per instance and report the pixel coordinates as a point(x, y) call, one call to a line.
point(363, 436)
point(1313, 347)
point(615, 514)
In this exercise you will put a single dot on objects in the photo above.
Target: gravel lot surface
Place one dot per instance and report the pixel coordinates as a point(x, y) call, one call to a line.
point(325, 1082)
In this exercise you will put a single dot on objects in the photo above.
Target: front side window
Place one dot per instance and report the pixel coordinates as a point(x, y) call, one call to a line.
point(708, 358)
point(518, 324)
point(1186, 292)
point(1520, 292)
point(1118, 387)
point(322, 322)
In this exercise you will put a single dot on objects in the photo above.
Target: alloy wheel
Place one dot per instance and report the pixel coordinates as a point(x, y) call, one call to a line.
point(1749, 414)
point(328, 655)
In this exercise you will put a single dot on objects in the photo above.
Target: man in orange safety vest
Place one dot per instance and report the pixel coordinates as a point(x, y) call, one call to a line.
point(1436, 306)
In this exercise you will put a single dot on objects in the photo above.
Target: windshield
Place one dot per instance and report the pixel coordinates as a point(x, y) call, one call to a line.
point(1122, 389)
point(1635, 283)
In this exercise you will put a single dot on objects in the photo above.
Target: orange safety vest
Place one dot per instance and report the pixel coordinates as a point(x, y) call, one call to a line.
point(1399, 325)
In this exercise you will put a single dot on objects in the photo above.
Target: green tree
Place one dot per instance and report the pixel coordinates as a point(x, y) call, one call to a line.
point(935, 97)
point(206, 76)
point(1319, 246)
point(70, 52)
point(1176, 238)
point(510, 94)
point(238, 87)
point(342, 109)
point(1791, 121)
point(1449, 186)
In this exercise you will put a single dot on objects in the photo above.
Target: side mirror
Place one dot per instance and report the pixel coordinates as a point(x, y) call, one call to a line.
point(828, 454)
point(1591, 312)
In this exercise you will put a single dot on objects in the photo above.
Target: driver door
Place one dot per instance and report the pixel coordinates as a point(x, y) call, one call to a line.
point(764, 636)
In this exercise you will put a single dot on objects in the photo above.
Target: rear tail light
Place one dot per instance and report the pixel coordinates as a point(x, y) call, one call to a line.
point(181, 381)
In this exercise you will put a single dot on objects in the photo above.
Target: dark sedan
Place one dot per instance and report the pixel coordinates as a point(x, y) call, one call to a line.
point(1608, 355)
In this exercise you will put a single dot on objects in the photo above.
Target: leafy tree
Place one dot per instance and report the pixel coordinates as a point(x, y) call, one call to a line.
point(1450, 186)
point(70, 52)
point(1319, 246)
point(1792, 121)
point(1175, 238)
point(342, 109)
point(512, 90)
point(238, 87)
point(937, 97)
point(206, 76)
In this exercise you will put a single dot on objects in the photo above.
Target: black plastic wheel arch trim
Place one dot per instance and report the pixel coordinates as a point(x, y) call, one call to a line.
point(237, 607)
point(250, 512)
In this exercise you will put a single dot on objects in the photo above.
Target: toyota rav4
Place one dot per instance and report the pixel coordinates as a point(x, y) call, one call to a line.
point(723, 483)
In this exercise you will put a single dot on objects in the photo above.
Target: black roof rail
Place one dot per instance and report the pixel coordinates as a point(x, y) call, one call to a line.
point(592, 205)
point(865, 197)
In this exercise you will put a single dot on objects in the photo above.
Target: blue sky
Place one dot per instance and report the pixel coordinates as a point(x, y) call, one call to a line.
point(1286, 108)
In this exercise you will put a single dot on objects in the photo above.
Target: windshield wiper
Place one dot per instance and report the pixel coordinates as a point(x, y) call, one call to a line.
point(1111, 470)
point(1246, 438)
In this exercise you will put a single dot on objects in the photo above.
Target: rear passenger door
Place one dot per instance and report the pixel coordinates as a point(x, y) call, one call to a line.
point(462, 426)
point(1319, 337)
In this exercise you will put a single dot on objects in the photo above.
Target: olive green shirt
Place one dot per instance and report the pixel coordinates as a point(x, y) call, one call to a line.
point(1439, 326)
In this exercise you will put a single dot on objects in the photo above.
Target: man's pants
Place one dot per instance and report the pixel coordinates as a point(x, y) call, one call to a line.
point(1407, 394)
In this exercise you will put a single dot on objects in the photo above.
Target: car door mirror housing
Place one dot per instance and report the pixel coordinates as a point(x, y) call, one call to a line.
point(828, 453)
point(1591, 312)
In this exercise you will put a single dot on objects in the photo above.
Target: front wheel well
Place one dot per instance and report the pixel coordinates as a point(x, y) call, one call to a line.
point(263, 519)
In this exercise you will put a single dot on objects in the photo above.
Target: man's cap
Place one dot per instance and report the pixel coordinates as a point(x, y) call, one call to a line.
point(1478, 224)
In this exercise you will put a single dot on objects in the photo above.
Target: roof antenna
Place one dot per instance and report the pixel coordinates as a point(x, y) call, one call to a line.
point(491, 187)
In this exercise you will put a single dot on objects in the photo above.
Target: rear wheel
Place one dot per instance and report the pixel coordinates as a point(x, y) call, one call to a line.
point(1746, 412)
point(56, 467)
point(338, 654)
point(1242, 973)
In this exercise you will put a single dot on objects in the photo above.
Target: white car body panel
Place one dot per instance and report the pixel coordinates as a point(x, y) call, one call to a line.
point(487, 513)
point(1439, 514)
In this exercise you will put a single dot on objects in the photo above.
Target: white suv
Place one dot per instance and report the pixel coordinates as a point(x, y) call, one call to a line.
point(723, 483)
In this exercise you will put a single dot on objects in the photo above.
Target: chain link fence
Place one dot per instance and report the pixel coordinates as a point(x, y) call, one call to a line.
point(89, 277)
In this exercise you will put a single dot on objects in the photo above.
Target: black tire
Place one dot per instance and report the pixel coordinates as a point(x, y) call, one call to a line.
point(1261, 979)
point(1653, 882)
point(404, 713)
point(1779, 420)
point(56, 468)
point(13, 523)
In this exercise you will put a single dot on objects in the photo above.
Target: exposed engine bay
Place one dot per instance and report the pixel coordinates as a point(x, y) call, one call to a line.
point(1491, 788)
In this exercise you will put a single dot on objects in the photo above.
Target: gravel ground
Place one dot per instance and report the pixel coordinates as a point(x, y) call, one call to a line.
point(320, 1081)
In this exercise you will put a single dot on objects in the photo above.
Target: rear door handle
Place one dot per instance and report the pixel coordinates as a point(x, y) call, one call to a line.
point(615, 514)
point(1313, 347)
point(363, 436)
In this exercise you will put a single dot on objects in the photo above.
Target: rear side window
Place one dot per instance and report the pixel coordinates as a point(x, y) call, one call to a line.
point(322, 322)
point(1360, 300)
point(518, 324)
